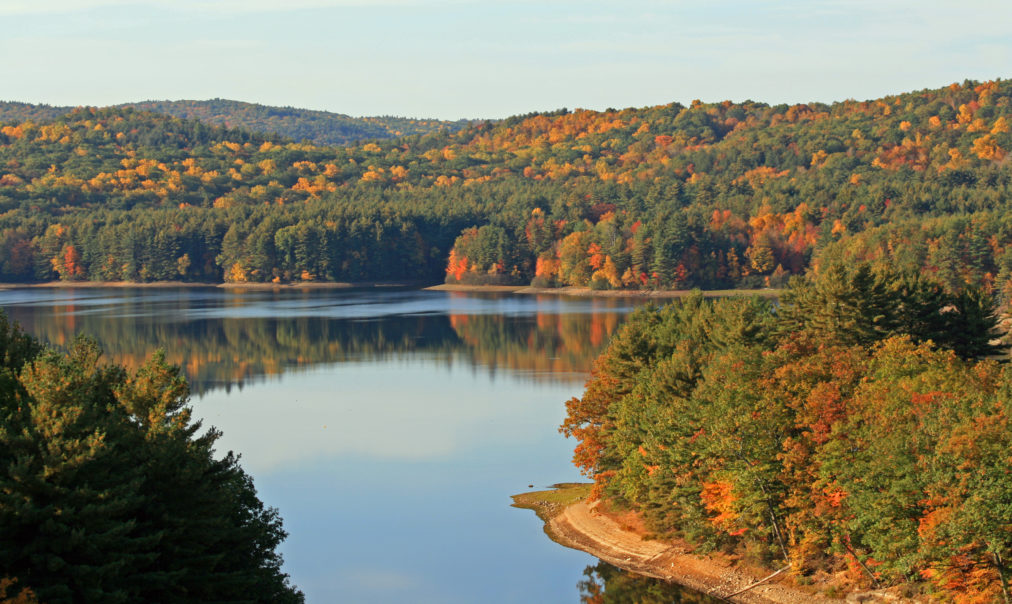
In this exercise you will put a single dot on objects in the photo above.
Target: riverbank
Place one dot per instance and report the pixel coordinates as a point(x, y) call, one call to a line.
point(572, 522)
point(445, 287)
point(300, 285)
point(603, 293)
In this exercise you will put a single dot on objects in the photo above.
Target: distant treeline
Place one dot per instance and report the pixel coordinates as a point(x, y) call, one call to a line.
point(711, 195)
point(319, 127)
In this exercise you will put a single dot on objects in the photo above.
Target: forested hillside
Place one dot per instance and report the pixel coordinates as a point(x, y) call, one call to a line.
point(710, 195)
point(12, 112)
point(320, 127)
point(852, 433)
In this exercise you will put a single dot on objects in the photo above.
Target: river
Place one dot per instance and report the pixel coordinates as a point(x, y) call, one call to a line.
point(389, 427)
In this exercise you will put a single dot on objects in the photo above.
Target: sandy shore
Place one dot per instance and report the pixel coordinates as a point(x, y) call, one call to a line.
point(572, 522)
point(578, 526)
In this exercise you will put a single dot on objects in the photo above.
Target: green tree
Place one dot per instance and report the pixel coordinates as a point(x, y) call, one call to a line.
point(109, 494)
point(863, 303)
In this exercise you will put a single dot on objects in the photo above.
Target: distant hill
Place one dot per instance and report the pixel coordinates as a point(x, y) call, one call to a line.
point(710, 195)
point(19, 112)
point(320, 127)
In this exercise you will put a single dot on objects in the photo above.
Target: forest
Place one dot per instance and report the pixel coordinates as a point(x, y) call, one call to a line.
point(857, 433)
point(710, 195)
point(859, 427)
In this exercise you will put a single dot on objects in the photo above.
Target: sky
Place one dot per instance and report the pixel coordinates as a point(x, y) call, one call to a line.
point(452, 59)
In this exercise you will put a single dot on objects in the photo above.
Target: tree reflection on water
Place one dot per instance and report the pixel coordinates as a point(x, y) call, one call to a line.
point(220, 343)
point(607, 584)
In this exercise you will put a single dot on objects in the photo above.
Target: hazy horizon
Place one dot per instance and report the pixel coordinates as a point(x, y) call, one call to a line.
point(468, 59)
point(480, 117)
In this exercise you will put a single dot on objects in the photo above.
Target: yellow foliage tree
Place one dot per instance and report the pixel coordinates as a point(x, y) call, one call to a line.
point(987, 148)
point(236, 274)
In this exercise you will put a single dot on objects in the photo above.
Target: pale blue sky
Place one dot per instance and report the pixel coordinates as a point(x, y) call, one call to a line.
point(493, 58)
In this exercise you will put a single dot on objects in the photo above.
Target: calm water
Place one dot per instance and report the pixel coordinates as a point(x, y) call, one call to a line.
point(389, 427)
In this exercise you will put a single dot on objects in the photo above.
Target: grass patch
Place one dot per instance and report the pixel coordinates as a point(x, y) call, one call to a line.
point(546, 504)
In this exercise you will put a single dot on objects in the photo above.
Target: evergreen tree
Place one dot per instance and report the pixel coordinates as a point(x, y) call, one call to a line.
point(109, 493)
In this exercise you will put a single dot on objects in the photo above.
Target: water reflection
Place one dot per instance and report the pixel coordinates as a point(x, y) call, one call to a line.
point(392, 429)
point(230, 338)
point(606, 584)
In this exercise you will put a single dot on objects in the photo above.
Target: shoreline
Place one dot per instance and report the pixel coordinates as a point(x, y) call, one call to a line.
point(572, 522)
point(421, 285)
point(301, 285)
point(602, 293)
point(578, 526)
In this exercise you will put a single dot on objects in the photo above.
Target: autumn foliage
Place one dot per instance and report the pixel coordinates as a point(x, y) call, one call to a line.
point(852, 431)
point(711, 195)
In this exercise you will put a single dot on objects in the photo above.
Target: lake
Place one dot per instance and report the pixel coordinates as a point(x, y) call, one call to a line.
point(389, 427)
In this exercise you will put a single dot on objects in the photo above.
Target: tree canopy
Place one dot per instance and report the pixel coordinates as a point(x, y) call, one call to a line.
point(852, 431)
point(109, 492)
point(710, 195)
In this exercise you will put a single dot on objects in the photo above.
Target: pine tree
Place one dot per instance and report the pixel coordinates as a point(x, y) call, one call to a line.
point(110, 493)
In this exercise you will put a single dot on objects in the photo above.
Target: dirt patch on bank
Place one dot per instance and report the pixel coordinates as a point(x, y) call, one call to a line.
point(617, 539)
point(579, 526)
